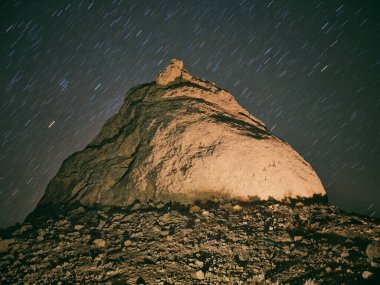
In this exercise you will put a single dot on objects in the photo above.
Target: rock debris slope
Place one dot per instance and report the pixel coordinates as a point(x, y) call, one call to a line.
point(181, 138)
point(266, 242)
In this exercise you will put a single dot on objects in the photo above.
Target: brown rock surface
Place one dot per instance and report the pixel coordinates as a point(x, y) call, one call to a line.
point(170, 73)
point(181, 138)
point(4, 245)
point(373, 250)
point(174, 245)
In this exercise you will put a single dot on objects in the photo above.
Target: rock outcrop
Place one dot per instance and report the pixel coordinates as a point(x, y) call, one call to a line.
point(170, 73)
point(181, 138)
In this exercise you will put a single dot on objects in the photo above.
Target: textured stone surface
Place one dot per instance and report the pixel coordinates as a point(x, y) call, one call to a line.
point(5, 245)
point(173, 245)
point(181, 138)
point(373, 250)
point(170, 73)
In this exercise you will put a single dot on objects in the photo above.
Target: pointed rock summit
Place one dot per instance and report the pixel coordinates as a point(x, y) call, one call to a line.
point(170, 73)
point(181, 138)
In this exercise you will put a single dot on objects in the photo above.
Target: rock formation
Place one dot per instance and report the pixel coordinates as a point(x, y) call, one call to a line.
point(181, 138)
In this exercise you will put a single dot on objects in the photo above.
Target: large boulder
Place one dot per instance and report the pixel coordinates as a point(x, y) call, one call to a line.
point(181, 138)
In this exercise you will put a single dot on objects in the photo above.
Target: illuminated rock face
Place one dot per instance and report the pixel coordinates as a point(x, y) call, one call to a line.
point(181, 138)
point(170, 73)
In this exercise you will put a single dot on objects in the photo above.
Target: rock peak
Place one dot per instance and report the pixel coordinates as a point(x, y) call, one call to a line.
point(176, 63)
point(171, 72)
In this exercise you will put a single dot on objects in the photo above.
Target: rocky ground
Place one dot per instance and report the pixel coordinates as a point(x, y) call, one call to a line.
point(293, 242)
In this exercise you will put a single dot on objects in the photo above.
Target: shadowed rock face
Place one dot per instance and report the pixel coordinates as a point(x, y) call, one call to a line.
point(181, 138)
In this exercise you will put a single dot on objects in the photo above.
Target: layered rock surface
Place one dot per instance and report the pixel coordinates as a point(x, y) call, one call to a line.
point(181, 138)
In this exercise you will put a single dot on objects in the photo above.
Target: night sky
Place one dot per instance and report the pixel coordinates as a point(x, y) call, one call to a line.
point(308, 69)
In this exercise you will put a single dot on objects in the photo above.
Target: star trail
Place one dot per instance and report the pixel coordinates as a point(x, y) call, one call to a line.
point(308, 69)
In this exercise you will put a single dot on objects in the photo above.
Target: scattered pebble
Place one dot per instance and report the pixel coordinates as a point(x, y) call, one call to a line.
point(100, 242)
point(367, 274)
point(199, 275)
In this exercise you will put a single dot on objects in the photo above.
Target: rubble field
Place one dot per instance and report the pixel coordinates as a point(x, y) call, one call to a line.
point(263, 242)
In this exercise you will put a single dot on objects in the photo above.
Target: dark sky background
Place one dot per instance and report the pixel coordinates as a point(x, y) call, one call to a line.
point(308, 69)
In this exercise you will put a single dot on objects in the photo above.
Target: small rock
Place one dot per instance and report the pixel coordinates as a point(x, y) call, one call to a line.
point(137, 235)
point(78, 227)
point(209, 275)
point(78, 211)
point(100, 242)
point(367, 274)
point(165, 219)
point(41, 235)
point(258, 279)
point(373, 250)
point(299, 204)
point(344, 254)
point(310, 282)
point(236, 208)
point(99, 257)
point(128, 243)
point(375, 264)
point(101, 224)
point(199, 275)
point(86, 238)
point(199, 263)
point(4, 244)
point(40, 238)
point(136, 207)
point(225, 206)
point(297, 238)
point(194, 209)
point(160, 205)
point(25, 228)
point(305, 241)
